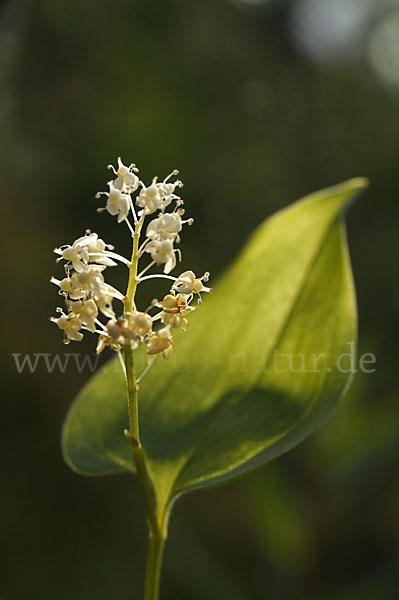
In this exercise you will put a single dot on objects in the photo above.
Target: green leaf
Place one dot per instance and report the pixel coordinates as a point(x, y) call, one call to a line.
point(243, 384)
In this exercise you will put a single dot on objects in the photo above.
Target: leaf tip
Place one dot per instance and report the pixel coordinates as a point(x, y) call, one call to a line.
point(358, 183)
point(353, 188)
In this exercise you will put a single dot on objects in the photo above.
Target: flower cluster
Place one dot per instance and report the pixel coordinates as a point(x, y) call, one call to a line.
point(88, 297)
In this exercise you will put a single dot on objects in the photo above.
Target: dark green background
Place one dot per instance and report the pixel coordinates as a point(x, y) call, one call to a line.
point(226, 92)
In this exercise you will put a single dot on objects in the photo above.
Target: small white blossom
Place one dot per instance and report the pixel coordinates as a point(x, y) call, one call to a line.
point(65, 286)
point(79, 257)
point(150, 198)
point(160, 342)
point(126, 177)
point(87, 312)
point(90, 283)
point(92, 242)
point(125, 332)
point(188, 283)
point(118, 203)
point(175, 309)
point(158, 196)
point(86, 249)
point(112, 336)
point(70, 325)
point(139, 324)
point(165, 227)
point(162, 252)
point(89, 280)
point(168, 188)
point(81, 313)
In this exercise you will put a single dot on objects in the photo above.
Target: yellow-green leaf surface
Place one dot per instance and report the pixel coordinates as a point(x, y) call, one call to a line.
point(255, 373)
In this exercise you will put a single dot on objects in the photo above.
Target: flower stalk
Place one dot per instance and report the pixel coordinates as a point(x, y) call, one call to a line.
point(156, 538)
point(133, 281)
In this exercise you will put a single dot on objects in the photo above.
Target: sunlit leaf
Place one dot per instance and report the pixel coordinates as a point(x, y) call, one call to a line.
point(255, 373)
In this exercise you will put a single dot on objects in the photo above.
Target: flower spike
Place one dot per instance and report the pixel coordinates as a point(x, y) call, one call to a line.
point(89, 299)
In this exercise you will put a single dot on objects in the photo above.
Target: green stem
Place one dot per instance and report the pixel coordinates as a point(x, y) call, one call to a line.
point(132, 284)
point(133, 437)
point(132, 394)
point(154, 564)
point(156, 525)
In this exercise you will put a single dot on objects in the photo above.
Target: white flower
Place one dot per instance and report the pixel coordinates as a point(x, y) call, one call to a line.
point(150, 198)
point(125, 332)
point(117, 202)
point(139, 324)
point(89, 280)
point(81, 313)
point(78, 256)
point(158, 196)
point(174, 321)
point(81, 283)
point(175, 309)
point(92, 242)
point(187, 283)
point(66, 286)
point(70, 325)
point(86, 249)
point(160, 342)
point(165, 227)
point(168, 188)
point(126, 177)
point(162, 252)
point(90, 283)
point(112, 336)
point(87, 312)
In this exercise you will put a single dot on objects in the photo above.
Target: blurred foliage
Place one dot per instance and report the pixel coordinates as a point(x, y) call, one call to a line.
point(231, 94)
